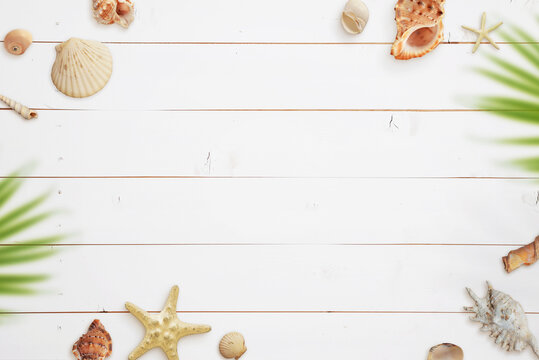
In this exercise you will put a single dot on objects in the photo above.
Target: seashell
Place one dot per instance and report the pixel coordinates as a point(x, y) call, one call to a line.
point(82, 67)
point(114, 11)
point(22, 110)
point(445, 351)
point(232, 346)
point(504, 318)
point(419, 27)
point(354, 16)
point(525, 255)
point(17, 41)
point(96, 344)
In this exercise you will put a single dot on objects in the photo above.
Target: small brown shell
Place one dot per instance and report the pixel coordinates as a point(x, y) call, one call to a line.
point(445, 351)
point(96, 344)
point(17, 41)
point(232, 346)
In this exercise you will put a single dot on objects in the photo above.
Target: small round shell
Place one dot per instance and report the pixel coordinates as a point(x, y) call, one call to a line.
point(232, 346)
point(445, 351)
point(355, 16)
point(17, 41)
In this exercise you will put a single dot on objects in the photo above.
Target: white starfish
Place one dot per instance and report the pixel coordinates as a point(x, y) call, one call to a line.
point(483, 33)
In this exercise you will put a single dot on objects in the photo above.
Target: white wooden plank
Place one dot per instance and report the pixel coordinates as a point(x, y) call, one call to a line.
point(260, 77)
point(268, 336)
point(275, 278)
point(341, 144)
point(246, 21)
point(324, 211)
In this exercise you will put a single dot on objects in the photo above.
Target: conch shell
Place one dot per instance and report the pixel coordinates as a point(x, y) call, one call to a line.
point(504, 318)
point(355, 16)
point(419, 27)
point(114, 11)
point(96, 344)
point(82, 67)
point(232, 346)
point(525, 255)
point(17, 41)
point(445, 351)
point(22, 110)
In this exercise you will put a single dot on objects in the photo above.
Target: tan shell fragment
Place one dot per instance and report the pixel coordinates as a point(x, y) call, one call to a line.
point(355, 16)
point(22, 110)
point(525, 255)
point(17, 41)
point(82, 67)
point(419, 27)
point(445, 351)
point(232, 346)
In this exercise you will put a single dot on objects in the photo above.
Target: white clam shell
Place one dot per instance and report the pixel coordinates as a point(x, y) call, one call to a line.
point(82, 67)
point(445, 351)
point(232, 346)
point(355, 16)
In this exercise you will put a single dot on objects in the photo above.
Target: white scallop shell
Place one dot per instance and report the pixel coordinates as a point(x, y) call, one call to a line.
point(355, 16)
point(232, 346)
point(82, 67)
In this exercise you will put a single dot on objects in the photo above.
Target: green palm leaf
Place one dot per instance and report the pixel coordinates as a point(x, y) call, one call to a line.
point(14, 222)
point(523, 80)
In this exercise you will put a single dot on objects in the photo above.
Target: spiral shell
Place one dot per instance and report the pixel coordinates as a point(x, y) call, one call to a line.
point(232, 346)
point(82, 67)
point(419, 27)
point(355, 16)
point(504, 318)
point(19, 108)
point(114, 11)
point(96, 344)
point(17, 41)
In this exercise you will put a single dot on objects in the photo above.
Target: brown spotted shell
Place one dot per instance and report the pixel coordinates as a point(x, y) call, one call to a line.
point(114, 11)
point(96, 344)
point(419, 27)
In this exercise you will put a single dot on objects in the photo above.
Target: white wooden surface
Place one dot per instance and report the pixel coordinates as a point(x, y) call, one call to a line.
point(299, 184)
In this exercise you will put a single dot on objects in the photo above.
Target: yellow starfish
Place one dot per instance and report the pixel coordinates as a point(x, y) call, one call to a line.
point(483, 33)
point(163, 330)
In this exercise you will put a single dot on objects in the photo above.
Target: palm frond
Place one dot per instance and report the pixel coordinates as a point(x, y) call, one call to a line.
point(14, 222)
point(523, 104)
point(526, 141)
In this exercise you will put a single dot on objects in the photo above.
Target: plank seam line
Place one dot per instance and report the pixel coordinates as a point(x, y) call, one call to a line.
point(249, 312)
point(261, 244)
point(248, 177)
point(278, 110)
point(278, 42)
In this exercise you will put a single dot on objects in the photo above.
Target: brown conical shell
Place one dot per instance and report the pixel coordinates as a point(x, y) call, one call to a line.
point(96, 344)
point(17, 41)
point(419, 27)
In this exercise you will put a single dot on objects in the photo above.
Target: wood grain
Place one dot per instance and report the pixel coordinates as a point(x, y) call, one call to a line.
point(249, 21)
point(254, 77)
